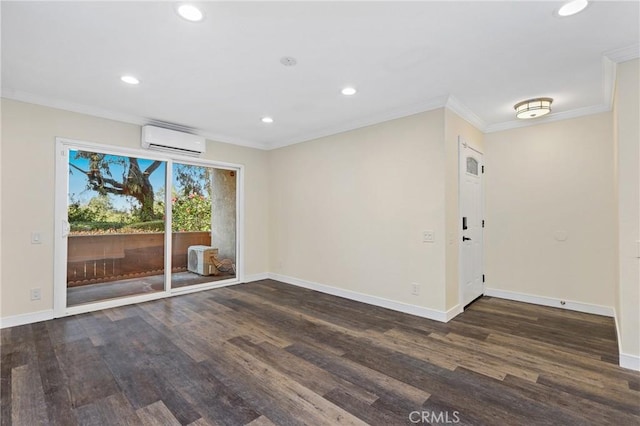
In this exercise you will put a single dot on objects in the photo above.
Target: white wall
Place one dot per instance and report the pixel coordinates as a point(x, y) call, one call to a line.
point(348, 210)
point(627, 112)
point(28, 138)
point(544, 179)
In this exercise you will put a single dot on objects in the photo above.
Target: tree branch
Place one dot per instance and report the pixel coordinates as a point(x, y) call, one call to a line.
point(78, 168)
point(152, 168)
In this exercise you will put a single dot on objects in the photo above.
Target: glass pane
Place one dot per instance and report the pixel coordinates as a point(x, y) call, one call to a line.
point(472, 166)
point(203, 207)
point(116, 215)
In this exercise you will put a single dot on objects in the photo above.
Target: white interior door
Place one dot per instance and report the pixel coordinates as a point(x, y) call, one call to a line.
point(471, 223)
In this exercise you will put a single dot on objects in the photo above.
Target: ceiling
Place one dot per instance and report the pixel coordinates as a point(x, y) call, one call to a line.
point(218, 77)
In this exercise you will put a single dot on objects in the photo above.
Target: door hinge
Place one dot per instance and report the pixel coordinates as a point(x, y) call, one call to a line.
point(482, 277)
point(483, 223)
point(482, 169)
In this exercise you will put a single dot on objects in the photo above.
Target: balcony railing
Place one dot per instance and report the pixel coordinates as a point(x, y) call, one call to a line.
point(102, 258)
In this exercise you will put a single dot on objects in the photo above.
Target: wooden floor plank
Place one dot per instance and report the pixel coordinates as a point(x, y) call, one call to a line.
point(301, 404)
point(28, 406)
point(111, 410)
point(268, 353)
point(86, 375)
point(303, 372)
point(157, 414)
point(56, 397)
point(599, 413)
point(366, 378)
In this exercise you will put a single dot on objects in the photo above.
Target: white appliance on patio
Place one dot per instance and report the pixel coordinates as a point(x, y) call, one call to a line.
point(201, 260)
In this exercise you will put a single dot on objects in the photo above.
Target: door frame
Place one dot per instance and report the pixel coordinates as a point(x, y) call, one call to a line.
point(62, 147)
point(462, 143)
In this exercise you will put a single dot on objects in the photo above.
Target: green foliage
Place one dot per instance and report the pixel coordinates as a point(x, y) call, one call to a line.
point(84, 226)
point(78, 213)
point(98, 209)
point(191, 203)
point(193, 179)
point(134, 181)
point(119, 228)
point(191, 213)
point(152, 226)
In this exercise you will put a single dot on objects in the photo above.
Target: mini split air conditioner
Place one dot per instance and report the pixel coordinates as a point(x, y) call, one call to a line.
point(199, 260)
point(161, 139)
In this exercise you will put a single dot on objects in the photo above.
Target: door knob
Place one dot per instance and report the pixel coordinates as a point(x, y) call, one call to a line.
point(466, 239)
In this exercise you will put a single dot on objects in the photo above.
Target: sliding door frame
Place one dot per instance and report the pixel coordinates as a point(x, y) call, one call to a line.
point(61, 226)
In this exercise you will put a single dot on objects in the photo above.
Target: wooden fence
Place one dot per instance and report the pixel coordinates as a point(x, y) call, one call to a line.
point(93, 259)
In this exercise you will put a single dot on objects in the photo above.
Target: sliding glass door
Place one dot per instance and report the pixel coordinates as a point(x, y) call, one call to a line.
point(203, 223)
point(136, 226)
point(115, 246)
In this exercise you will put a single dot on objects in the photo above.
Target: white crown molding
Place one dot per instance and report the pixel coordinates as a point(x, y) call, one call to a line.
point(428, 105)
point(624, 54)
point(609, 66)
point(608, 81)
point(459, 108)
point(31, 98)
point(233, 141)
point(609, 61)
point(112, 115)
point(559, 116)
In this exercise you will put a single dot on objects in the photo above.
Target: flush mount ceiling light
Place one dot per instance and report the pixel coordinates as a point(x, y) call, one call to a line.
point(129, 79)
point(572, 7)
point(267, 120)
point(533, 108)
point(348, 91)
point(190, 13)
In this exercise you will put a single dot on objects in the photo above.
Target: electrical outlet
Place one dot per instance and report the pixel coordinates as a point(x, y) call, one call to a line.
point(36, 294)
point(415, 289)
point(428, 236)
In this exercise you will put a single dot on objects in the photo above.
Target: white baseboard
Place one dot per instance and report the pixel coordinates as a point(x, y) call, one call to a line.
point(371, 300)
point(453, 312)
point(255, 277)
point(606, 311)
point(632, 362)
point(23, 319)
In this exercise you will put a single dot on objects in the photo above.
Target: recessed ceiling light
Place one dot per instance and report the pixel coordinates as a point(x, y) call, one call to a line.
point(288, 61)
point(190, 13)
point(348, 91)
point(267, 120)
point(572, 7)
point(129, 79)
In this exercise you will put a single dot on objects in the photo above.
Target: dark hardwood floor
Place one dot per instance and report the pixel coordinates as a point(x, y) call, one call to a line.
point(268, 353)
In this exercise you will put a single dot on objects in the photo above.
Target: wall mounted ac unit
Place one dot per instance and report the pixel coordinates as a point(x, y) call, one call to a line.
point(199, 260)
point(161, 139)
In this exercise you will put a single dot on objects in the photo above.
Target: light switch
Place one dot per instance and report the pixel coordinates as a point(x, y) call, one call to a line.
point(36, 238)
